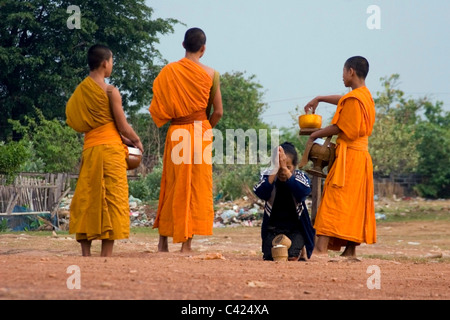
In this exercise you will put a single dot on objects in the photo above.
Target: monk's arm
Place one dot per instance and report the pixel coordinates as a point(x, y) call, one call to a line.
point(121, 121)
point(218, 108)
point(312, 105)
point(331, 130)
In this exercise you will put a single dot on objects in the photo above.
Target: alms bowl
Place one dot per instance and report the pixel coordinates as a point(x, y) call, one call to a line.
point(313, 121)
point(134, 158)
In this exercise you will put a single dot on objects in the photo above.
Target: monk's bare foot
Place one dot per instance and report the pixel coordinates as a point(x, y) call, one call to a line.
point(85, 248)
point(344, 259)
point(321, 245)
point(318, 252)
point(107, 248)
point(349, 254)
point(163, 245)
point(353, 259)
point(350, 250)
point(186, 246)
point(319, 256)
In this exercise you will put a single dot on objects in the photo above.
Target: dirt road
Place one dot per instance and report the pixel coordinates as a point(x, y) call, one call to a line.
point(410, 261)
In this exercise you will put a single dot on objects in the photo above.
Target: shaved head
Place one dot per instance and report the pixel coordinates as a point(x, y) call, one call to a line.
point(97, 54)
point(359, 64)
point(194, 39)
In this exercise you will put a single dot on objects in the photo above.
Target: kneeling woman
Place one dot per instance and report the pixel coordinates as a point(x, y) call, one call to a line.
point(285, 211)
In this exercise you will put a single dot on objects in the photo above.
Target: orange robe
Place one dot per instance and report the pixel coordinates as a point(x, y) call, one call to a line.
point(180, 94)
point(346, 212)
point(99, 207)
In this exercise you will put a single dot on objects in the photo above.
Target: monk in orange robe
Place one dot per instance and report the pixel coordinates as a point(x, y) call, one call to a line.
point(99, 208)
point(346, 214)
point(181, 94)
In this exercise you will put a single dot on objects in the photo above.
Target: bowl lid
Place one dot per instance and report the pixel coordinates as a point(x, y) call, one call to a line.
point(135, 151)
point(319, 141)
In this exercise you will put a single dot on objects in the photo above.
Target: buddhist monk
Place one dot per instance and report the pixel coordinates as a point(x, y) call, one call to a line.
point(346, 214)
point(182, 93)
point(99, 208)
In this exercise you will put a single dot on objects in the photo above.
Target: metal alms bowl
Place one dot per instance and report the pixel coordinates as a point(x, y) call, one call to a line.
point(321, 153)
point(134, 158)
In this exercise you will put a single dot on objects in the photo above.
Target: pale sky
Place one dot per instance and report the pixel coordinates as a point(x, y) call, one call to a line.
point(297, 49)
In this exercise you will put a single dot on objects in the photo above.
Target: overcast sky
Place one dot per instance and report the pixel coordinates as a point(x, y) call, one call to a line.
point(296, 49)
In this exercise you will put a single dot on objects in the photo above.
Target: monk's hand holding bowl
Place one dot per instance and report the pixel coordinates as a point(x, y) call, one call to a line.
point(138, 144)
point(135, 144)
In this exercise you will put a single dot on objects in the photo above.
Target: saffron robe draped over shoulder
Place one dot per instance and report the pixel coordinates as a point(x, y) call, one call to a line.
point(99, 207)
point(346, 212)
point(180, 95)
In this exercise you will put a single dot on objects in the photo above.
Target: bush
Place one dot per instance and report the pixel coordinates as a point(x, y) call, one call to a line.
point(54, 146)
point(4, 225)
point(12, 156)
point(147, 188)
point(232, 181)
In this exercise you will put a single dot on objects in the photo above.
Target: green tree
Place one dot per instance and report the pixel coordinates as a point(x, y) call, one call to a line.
point(42, 59)
point(52, 143)
point(242, 102)
point(392, 144)
point(243, 105)
point(412, 136)
point(434, 152)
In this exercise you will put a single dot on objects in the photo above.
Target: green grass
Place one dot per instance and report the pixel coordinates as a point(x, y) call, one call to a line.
point(135, 230)
point(37, 233)
point(143, 230)
point(414, 214)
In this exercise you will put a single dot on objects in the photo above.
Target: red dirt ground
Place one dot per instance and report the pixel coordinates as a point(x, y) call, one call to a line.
point(412, 257)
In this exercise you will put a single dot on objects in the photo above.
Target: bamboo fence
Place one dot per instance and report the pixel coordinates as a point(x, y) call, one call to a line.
point(36, 193)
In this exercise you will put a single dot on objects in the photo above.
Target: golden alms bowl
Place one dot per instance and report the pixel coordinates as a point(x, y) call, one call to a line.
point(310, 121)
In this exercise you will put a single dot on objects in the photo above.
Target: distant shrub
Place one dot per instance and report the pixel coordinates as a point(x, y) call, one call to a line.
point(53, 145)
point(147, 188)
point(232, 181)
point(12, 156)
